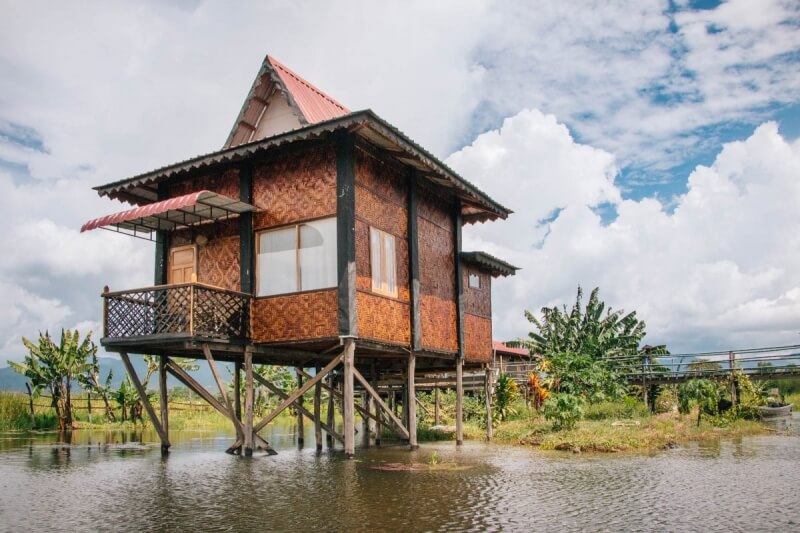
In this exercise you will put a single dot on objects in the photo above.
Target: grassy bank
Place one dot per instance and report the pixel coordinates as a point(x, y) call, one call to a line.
point(607, 427)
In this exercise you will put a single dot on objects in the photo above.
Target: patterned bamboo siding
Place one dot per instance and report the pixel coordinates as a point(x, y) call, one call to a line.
point(477, 338)
point(381, 196)
point(225, 183)
point(309, 315)
point(300, 185)
point(437, 274)
point(477, 302)
point(218, 260)
point(383, 319)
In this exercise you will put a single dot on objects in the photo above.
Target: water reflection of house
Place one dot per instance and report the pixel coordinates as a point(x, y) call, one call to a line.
point(317, 237)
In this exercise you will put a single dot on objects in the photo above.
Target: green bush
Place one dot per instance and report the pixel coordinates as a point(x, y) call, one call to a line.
point(563, 409)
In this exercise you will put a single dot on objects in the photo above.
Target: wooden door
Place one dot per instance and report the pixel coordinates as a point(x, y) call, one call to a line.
point(182, 265)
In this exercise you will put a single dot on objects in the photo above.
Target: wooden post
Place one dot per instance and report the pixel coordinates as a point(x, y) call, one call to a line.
point(163, 398)
point(237, 390)
point(348, 410)
point(331, 409)
point(300, 429)
point(223, 392)
point(411, 406)
point(436, 417)
point(488, 391)
point(405, 402)
point(248, 401)
point(459, 401)
point(30, 404)
point(318, 412)
point(378, 428)
point(734, 383)
point(365, 421)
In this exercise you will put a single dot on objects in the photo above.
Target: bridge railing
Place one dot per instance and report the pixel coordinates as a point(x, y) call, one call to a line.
point(761, 362)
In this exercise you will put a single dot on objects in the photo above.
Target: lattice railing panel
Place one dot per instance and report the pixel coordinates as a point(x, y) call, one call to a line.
point(173, 309)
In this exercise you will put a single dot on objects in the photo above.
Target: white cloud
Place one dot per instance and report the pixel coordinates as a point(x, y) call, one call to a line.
point(721, 271)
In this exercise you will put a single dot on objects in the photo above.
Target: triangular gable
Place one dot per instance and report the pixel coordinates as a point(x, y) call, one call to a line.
point(280, 101)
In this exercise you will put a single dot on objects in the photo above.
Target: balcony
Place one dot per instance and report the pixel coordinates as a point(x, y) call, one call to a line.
point(155, 317)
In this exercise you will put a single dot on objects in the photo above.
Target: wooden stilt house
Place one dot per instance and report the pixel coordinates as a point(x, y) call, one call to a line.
point(318, 238)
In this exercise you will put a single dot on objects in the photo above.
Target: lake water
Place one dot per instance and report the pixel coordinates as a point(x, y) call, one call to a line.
point(108, 482)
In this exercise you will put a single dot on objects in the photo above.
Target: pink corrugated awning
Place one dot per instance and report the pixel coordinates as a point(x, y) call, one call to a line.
point(502, 348)
point(168, 215)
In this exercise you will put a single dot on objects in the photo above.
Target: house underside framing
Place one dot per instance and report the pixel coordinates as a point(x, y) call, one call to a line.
point(382, 376)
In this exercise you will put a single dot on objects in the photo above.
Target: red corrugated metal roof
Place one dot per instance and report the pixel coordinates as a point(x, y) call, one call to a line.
point(168, 214)
point(502, 348)
point(315, 105)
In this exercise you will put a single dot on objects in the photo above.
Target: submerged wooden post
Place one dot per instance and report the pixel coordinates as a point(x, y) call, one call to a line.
point(163, 399)
point(411, 406)
point(248, 401)
point(459, 401)
point(237, 389)
point(300, 433)
point(436, 405)
point(331, 409)
point(318, 412)
point(348, 409)
point(364, 419)
point(488, 391)
point(378, 428)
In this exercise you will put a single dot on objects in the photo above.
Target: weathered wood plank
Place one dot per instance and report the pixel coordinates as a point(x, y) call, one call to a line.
point(143, 398)
point(163, 399)
point(223, 392)
point(249, 398)
point(318, 412)
point(348, 402)
point(459, 401)
point(412, 403)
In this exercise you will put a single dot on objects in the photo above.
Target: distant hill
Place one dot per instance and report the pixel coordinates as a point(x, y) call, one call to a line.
point(11, 381)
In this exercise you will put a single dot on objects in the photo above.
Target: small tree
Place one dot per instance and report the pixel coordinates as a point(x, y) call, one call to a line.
point(54, 366)
point(702, 392)
point(505, 393)
point(90, 381)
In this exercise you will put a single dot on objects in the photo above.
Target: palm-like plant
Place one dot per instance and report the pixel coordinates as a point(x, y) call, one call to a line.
point(53, 366)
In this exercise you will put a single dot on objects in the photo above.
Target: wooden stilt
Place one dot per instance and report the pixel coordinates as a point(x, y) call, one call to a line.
point(405, 402)
point(487, 387)
point(459, 401)
point(436, 408)
point(300, 433)
point(318, 412)
point(163, 400)
point(411, 406)
point(237, 389)
point(143, 398)
point(365, 420)
point(331, 410)
point(348, 409)
point(223, 392)
point(248, 402)
point(378, 428)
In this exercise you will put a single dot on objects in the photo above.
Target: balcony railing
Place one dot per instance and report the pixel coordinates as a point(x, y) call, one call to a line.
point(190, 309)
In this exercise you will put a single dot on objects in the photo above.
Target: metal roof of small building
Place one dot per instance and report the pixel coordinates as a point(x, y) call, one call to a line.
point(315, 105)
point(493, 265)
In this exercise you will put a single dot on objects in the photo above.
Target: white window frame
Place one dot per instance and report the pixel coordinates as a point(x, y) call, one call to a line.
point(477, 277)
point(382, 282)
point(298, 267)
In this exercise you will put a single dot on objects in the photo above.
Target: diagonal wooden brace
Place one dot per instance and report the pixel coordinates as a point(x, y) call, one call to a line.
point(379, 400)
point(297, 393)
point(283, 395)
point(143, 397)
point(237, 424)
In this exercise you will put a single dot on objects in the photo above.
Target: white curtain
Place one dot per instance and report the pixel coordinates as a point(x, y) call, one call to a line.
point(318, 254)
point(277, 262)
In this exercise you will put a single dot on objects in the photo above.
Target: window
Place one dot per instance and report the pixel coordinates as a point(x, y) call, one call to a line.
point(297, 258)
point(382, 260)
point(474, 281)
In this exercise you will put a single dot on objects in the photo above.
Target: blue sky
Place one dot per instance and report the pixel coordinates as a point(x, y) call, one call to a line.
point(649, 147)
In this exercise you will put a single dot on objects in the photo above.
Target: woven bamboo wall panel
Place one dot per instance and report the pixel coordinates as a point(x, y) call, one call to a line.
point(436, 261)
point(381, 177)
point(225, 183)
point(434, 207)
point(219, 263)
point(310, 315)
point(364, 268)
point(383, 319)
point(477, 301)
point(381, 213)
point(298, 186)
point(477, 338)
point(438, 318)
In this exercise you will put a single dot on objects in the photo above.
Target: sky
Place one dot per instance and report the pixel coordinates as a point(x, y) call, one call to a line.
point(649, 148)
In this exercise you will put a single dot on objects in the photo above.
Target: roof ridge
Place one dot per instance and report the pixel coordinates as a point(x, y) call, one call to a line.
point(278, 65)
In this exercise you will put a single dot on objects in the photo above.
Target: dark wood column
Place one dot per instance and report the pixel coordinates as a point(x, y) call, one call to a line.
point(246, 241)
point(413, 261)
point(460, 328)
point(346, 232)
point(162, 245)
